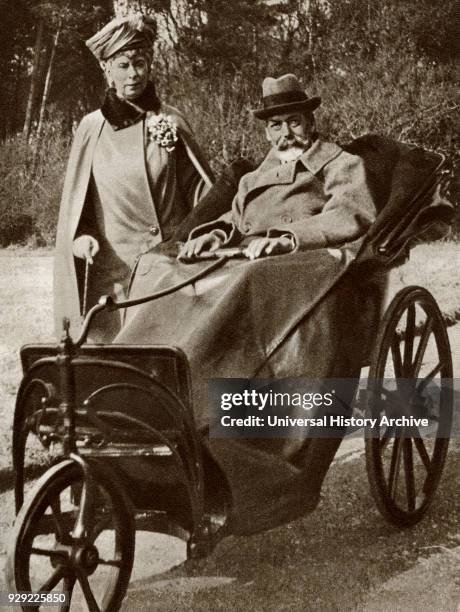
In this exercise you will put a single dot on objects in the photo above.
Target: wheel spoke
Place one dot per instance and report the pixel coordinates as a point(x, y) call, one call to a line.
point(52, 581)
point(84, 522)
point(87, 592)
point(409, 341)
point(75, 494)
point(46, 552)
point(69, 583)
point(424, 336)
point(424, 456)
point(394, 466)
point(409, 474)
point(429, 377)
point(58, 520)
point(111, 562)
point(397, 361)
point(386, 437)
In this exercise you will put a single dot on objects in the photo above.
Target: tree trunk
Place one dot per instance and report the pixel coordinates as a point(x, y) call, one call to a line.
point(34, 79)
point(47, 87)
point(15, 118)
point(46, 90)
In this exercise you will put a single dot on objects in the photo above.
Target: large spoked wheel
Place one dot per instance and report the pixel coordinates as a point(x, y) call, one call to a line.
point(410, 375)
point(46, 556)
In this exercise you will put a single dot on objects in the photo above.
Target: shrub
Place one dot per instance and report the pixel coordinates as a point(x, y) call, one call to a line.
point(30, 185)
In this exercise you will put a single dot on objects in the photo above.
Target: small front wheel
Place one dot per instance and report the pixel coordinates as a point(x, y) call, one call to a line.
point(47, 555)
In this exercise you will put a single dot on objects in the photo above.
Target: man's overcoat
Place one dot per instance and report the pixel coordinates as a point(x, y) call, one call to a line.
point(67, 273)
point(322, 199)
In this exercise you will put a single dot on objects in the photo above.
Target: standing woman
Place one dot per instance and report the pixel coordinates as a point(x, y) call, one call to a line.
point(134, 174)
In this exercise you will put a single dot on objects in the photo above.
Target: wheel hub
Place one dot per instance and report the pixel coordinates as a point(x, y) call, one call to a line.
point(87, 558)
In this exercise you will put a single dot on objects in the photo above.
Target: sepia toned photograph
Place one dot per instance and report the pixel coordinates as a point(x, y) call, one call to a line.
point(229, 254)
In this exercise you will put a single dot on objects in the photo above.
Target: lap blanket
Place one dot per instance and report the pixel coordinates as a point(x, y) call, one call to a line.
point(285, 316)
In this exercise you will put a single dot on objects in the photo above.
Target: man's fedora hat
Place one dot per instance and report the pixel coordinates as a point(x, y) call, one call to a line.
point(283, 95)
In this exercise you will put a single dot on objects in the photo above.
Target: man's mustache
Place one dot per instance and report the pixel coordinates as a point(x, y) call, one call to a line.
point(287, 141)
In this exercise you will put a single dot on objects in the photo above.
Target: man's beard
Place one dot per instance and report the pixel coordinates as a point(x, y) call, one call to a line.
point(289, 149)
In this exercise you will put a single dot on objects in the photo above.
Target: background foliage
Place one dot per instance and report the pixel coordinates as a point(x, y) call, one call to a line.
point(379, 65)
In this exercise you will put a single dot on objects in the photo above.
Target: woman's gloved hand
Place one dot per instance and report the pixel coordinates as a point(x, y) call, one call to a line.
point(85, 247)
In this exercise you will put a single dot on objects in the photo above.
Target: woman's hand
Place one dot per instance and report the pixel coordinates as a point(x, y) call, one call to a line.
point(85, 247)
point(206, 242)
point(269, 246)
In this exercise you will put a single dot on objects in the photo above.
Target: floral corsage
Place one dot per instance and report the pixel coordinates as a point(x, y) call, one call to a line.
point(163, 131)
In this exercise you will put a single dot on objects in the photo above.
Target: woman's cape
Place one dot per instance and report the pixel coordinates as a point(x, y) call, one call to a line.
point(68, 274)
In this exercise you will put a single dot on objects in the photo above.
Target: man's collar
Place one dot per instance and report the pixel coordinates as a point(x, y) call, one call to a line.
point(121, 114)
point(318, 155)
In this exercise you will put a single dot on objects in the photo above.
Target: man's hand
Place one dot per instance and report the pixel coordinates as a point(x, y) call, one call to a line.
point(85, 247)
point(206, 242)
point(269, 246)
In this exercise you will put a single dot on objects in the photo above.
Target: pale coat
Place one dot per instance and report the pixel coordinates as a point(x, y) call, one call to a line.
point(67, 269)
point(322, 199)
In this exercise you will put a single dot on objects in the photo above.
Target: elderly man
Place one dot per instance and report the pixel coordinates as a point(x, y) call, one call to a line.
point(306, 194)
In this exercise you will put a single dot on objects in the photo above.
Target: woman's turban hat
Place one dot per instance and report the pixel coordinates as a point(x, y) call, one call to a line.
point(122, 34)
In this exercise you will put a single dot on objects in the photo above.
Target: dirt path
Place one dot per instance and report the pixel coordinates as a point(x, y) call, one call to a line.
point(341, 557)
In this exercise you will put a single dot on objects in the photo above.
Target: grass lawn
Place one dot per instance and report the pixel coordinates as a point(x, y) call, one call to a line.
point(435, 267)
point(26, 282)
point(26, 301)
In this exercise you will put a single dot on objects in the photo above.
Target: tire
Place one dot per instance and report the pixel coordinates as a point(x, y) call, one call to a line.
point(391, 450)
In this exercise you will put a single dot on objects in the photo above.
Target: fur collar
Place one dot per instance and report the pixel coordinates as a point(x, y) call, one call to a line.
point(121, 114)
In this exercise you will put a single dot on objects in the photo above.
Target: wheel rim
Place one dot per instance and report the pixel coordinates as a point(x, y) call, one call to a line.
point(94, 569)
point(413, 348)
